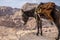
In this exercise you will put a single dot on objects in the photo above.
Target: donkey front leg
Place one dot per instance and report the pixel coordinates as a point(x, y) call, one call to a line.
point(37, 28)
point(40, 26)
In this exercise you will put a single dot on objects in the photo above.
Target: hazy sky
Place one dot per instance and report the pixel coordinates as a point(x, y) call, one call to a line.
point(19, 3)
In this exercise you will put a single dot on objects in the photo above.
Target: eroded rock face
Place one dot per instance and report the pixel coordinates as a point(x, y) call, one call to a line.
point(9, 33)
point(31, 24)
point(7, 10)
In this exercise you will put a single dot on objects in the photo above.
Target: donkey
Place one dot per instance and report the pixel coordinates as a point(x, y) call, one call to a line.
point(44, 10)
point(49, 11)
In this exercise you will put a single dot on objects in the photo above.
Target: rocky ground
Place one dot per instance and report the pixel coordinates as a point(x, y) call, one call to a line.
point(28, 32)
point(17, 34)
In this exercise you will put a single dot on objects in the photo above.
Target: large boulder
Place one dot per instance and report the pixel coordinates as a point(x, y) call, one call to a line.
point(29, 6)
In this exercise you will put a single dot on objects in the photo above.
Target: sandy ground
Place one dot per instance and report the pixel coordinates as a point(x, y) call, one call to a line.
point(31, 35)
point(7, 33)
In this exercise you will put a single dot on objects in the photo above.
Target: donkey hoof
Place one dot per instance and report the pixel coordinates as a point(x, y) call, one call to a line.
point(37, 34)
point(41, 34)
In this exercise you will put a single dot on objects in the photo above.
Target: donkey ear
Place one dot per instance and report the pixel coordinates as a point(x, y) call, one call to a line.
point(41, 3)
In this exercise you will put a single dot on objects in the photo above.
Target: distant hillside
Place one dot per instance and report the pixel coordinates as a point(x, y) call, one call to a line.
point(7, 10)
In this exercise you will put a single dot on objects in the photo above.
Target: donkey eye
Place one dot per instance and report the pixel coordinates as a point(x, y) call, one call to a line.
point(49, 8)
point(40, 7)
point(43, 8)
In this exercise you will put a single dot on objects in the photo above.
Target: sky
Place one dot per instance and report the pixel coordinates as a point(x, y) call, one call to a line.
point(20, 3)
